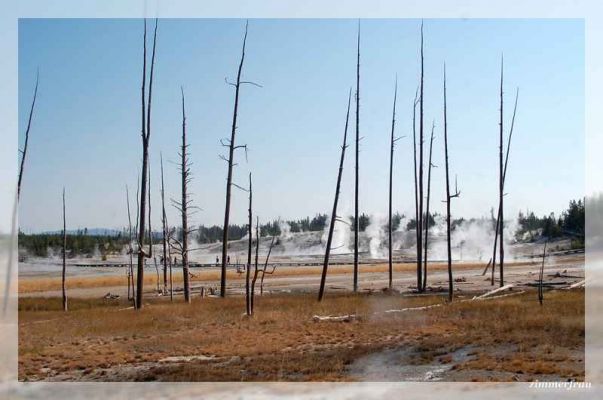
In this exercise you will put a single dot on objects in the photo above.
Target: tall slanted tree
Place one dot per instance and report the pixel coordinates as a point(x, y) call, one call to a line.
point(325, 265)
point(420, 213)
point(356, 220)
point(24, 151)
point(232, 146)
point(14, 214)
point(146, 135)
point(448, 196)
point(64, 255)
point(393, 141)
point(504, 179)
point(427, 215)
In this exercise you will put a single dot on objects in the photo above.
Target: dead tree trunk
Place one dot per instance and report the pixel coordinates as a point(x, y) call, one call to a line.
point(427, 216)
point(130, 273)
point(501, 184)
point(504, 179)
point(15, 206)
point(150, 230)
point(420, 221)
point(448, 196)
point(146, 134)
point(356, 222)
point(24, 151)
point(257, 253)
point(164, 230)
point(231, 149)
point(325, 265)
point(183, 205)
point(541, 277)
point(414, 148)
point(393, 140)
point(264, 271)
point(64, 255)
point(250, 231)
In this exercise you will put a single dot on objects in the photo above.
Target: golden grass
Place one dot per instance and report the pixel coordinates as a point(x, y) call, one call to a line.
point(281, 342)
point(30, 285)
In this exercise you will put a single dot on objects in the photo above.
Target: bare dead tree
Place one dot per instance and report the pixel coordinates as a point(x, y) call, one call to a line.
point(325, 266)
point(150, 230)
point(24, 151)
point(427, 215)
point(501, 184)
point(448, 195)
point(504, 179)
point(256, 270)
point(14, 233)
point(64, 255)
point(393, 141)
point(356, 221)
point(164, 231)
point(541, 277)
point(420, 221)
point(146, 134)
point(130, 273)
point(232, 146)
point(250, 231)
point(415, 170)
point(265, 271)
point(184, 205)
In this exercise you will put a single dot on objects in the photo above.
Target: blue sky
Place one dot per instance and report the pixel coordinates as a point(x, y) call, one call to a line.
point(86, 133)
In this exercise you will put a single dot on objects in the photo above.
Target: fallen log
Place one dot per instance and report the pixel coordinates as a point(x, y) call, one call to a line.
point(335, 318)
point(412, 309)
point(491, 292)
point(496, 297)
point(582, 283)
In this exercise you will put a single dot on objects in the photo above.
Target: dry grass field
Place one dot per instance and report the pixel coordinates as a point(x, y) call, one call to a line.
point(502, 339)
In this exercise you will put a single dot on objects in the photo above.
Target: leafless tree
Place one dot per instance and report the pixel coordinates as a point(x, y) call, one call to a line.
point(427, 215)
point(146, 134)
point(257, 254)
point(248, 268)
point(264, 270)
point(9, 266)
point(356, 221)
point(64, 255)
point(415, 170)
point(501, 185)
point(448, 195)
point(334, 212)
point(420, 221)
point(24, 151)
point(232, 146)
point(130, 273)
point(393, 141)
point(184, 206)
point(504, 179)
point(541, 277)
point(164, 231)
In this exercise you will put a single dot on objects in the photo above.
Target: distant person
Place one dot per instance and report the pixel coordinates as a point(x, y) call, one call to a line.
point(228, 260)
point(217, 260)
